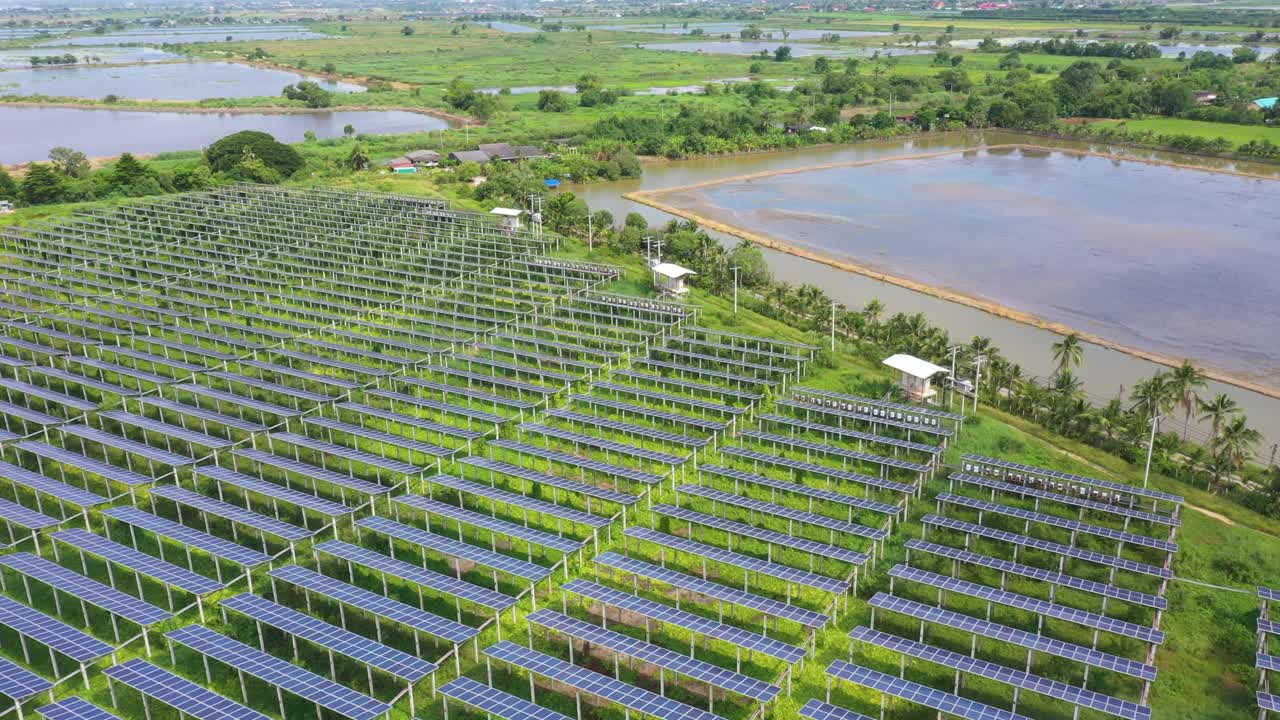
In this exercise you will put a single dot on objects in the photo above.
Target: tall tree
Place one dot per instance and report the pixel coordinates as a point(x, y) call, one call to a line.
point(1237, 441)
point(69, 162)
point(1068, 352)
point(1184, 381)
point(1217, 411)
point(42, 185)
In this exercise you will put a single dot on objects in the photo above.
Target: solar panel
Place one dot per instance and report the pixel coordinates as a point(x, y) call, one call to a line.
point(90, 591)
point(744, 639)
point(12, 512)
point(1268, 594)
point(176, 432)
point(1267, 662)
point(689, 385)
point(455, 548)
point(745, 562)
point(495, 703)
point(1035, 605)
point(830, 408)
point(375, 604)
point(826, 496)
point(232, 513)
point(1047, 546)
point(837, 473)
point(179, 693)
point(203, 414)
point(773, 537)
point(439, 406)
point(382, 438)
point(609, 446)
point(669, 399)
point(1071, 478)
point(1049, 576)
point(815, 709)
point(190, 537)
point(1074, 526)
point(537, 476)
point(18, 683)
point(815, 447)
point(602, 686)
point(561, 512)
point(344, 642)
point(607, 469)
point(716, 591)
point(488, 522)
point(1267, 701)
point(327, 449)
point(138, 562)
point(1028, 640)
point(656, 655)
point(1027, 491)
point(651, 413)
point(238, 401)
point(450, 586)
point(791, 514)
point(280, 673)
point(86, 464)
point(999, 673)
point(311, 472)
point(466, 392)
point(412, 421)
point(125, 445)
point(852, 434)
point(74, 708)
point(271, 388)
point(269, 489)
point(627, 428)
point(50, 632)
point(911, 409)
point(921, 694)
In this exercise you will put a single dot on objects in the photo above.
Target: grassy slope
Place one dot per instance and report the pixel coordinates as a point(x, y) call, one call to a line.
point(1237, 134)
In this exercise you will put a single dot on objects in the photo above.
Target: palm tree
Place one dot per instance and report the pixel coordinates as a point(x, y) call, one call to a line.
point(1068, 352)
point(872, 312)
point(1217, 411)
point(1150, 396)
point(1237, 441)
point(358, 159)
point(1183, 383)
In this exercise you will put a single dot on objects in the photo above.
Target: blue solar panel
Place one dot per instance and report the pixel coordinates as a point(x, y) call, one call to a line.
point(308, 471)
point(232, 513)
point(455, 548)
point(820, 448)
point(745, 562)
point(495, 703)
point(716, 591)
point(744, 639)
point(125, 445)
point(656, 655)
point(773, 537)
point(831, 472)
point(1028, 640)
point(627, 428)
point(815, 709)
point(179, 693)
point(537, 476)
point(608, 446)
point(86, 464)
point(1005, 465)
point(74, 708)
point(216, 546)
point(921, 694)
point(280, 673)
point(524, 502)
point(55, 634)
point(1032, 492)
point(358, 648)
point(607, 469)
point(488, 522)
point(797, 424)
point(18, 683)
point(1017, 678)
point(375, 604)
point(269, 489)
point(139, 562)
point(1074, 526)
point(602, 686)
point(12, 512)
point(900, 407)
point(83, 588)
point(826, 496)
point(782, 511)
point(450, 586)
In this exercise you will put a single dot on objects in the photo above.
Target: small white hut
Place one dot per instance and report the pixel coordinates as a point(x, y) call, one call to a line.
point(508, 218)
point(917, 376)
point(669, 278)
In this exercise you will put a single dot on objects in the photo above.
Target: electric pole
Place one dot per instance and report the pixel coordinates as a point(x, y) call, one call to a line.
point(953, 351)
point(977, 380)
point(735, 289)
point(1151, 444)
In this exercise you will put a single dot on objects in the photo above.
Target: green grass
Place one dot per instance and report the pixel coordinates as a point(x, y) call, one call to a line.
point(1237, 134)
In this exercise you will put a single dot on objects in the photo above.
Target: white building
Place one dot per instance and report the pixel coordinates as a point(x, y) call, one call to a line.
point(917, 376)
point(669, 279)
point(508, 218)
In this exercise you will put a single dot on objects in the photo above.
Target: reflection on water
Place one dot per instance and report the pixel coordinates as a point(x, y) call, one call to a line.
point(31, 131)
point(755, 47)
point(114, 55)
point(161, 81)
point(1105, 372)
point(160, 36)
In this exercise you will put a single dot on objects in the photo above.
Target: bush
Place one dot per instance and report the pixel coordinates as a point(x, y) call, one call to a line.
point(226, 154)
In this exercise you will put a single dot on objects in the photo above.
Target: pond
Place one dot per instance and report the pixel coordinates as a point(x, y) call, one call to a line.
point(104, 55)
point(159, 81)
point(755, 47)
point(715, 29)
point(1019, 194)
point(1176, 49)
point(31, 131)
point(510, 27)
point(161, 36)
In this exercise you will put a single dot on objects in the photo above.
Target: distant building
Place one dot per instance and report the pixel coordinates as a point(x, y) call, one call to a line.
point(500, 151)
point(475, 156)
point(1205, 97)
point(505, 152)
point(669, 278)
point(423, 158)
point(6, 207)
point(917, 376)
point(1267, 103)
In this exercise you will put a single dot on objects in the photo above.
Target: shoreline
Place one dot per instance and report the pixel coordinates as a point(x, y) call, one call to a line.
point(157, 107)
point(649, 198)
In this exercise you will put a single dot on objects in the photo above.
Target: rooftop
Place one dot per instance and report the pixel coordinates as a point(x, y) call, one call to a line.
point(914, 366)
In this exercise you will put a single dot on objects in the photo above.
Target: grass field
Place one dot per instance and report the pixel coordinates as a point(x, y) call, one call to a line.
point(1237, 134)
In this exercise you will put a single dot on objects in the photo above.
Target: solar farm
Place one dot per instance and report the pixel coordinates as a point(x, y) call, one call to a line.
point(312, 453)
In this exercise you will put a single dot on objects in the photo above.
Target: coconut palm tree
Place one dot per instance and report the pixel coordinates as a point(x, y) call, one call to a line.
point(871, 312)
point(1066, 385)
point(1183, 383)
point(1237, 441)
point(1068, 352)
point(1151, 396)
point(1217, 411)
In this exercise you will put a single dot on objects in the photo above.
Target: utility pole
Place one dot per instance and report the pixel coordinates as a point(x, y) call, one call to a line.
point(833, 326)
point(1151, 444)
point(953, 351)
point(977, 380)
point(735, 289)
point(590, 233)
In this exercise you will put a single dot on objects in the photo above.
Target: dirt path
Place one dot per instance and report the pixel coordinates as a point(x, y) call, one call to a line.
point(1209, 513)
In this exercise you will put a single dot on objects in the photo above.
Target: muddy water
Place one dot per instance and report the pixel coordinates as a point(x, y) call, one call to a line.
point(1000, 226)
